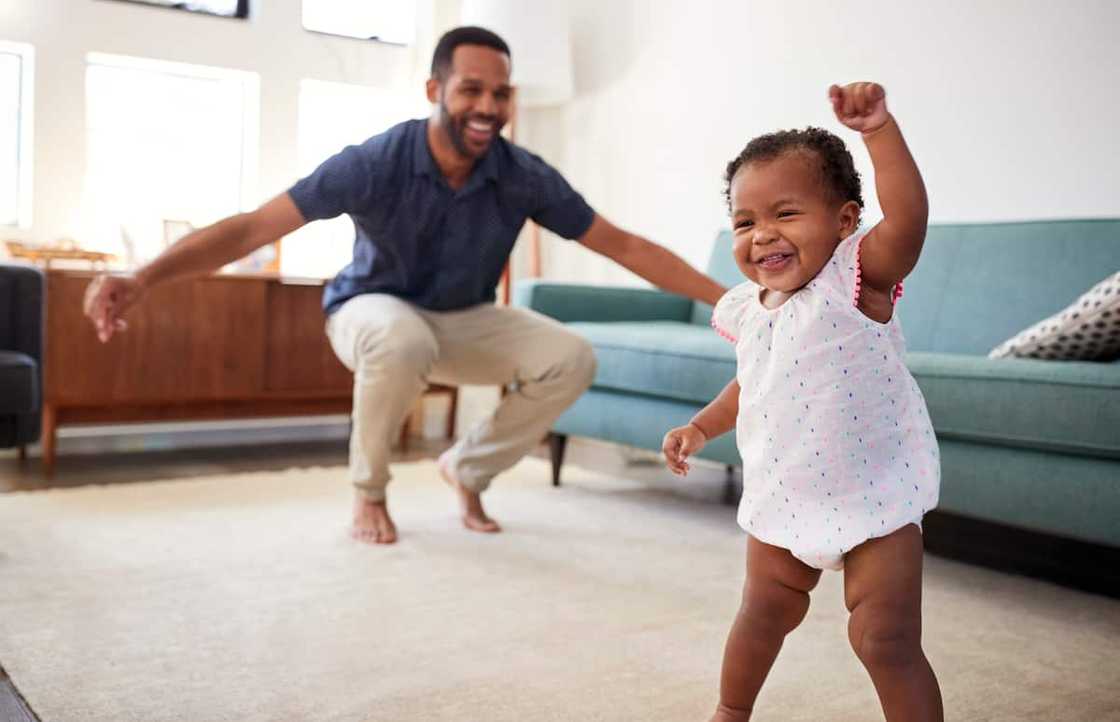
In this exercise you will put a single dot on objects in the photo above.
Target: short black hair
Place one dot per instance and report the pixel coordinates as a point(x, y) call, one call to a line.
point(838, 170)
point(466, 35)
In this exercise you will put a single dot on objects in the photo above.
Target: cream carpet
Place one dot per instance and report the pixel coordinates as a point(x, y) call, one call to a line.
point(241, 598)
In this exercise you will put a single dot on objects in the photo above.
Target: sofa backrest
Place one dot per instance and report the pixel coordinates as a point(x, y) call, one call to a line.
point(978, 284)
point(721, 266)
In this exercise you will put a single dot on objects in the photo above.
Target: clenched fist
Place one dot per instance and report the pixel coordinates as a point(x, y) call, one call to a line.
point(860, 106)
point(679, 444)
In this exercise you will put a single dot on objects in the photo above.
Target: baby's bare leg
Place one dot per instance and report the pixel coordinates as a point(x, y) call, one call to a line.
point(883, 591)
point(775, 600)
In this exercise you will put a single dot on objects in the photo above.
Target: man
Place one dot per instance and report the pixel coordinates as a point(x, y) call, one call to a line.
point(437, 205)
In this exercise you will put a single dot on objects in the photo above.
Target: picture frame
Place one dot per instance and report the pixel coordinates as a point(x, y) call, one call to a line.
point(236, 9)
point(173, 230)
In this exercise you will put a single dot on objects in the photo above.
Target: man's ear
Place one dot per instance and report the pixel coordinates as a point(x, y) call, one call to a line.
point(432, 89)
point(849, 218)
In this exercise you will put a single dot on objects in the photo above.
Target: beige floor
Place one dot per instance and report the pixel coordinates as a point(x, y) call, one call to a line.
point(238, 596)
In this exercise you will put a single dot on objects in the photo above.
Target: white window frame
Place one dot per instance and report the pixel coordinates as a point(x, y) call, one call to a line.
point(250, 107)
point(26, 54)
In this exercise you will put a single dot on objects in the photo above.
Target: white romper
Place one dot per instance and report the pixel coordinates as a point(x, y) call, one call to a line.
point(835, 438)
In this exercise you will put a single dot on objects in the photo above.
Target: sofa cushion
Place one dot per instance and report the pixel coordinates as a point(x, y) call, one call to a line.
point(668, 359)
point(1071, 406)
point(19, 385)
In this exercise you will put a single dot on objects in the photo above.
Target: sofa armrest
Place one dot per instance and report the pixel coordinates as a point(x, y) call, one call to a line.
point(21, 298)
point(569, 302)
point(19, 384)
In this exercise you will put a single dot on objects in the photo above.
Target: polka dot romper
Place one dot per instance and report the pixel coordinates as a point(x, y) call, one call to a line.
point(836, 442)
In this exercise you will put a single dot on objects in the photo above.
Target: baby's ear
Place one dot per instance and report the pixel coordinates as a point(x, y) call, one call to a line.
point(849, 216)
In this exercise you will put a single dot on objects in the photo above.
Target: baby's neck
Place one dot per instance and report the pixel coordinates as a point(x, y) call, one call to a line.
point(771, 299)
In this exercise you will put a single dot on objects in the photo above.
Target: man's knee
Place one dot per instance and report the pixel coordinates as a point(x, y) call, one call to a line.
point(883, 637)
point(396, 345)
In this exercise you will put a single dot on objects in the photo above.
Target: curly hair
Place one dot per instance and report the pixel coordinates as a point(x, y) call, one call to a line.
point(838, 171)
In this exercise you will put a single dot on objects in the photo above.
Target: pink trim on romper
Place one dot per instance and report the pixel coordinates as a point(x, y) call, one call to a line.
point(723, 333)
point(895, 294)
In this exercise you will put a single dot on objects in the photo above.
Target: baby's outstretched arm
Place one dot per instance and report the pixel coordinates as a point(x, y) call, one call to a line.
point(715, 419)
point(891, 249)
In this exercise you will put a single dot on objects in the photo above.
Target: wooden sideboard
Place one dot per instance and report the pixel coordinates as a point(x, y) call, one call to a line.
point(226, 346)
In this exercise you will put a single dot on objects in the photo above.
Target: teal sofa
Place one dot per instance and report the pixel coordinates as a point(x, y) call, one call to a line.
point(1030, 445)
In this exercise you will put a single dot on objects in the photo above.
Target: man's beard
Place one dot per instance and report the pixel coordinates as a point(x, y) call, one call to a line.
point(456, 130)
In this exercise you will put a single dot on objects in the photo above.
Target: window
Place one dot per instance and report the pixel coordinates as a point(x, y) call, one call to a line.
point(390, 21)
point(15, 134)
point(165, 142)
point(225, 8)
point(332, 116)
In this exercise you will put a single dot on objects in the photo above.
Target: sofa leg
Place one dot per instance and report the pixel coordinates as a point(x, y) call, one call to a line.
point(556, 446)
point(730, 488)
point(22, 454)
point(50, 425)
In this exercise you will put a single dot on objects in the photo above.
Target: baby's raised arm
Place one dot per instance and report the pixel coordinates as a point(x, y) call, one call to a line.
point(891, 249)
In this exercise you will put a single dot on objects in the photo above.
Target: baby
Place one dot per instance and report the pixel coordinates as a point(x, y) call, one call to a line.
point(840, 462)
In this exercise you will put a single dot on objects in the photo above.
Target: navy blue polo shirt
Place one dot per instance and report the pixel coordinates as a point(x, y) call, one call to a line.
point(418, 239)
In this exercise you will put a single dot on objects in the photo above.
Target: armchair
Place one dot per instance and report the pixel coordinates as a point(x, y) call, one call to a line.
point(22, 315)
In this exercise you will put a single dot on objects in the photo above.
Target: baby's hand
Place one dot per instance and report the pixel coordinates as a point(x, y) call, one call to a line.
point(860, 106)
point(679, 444)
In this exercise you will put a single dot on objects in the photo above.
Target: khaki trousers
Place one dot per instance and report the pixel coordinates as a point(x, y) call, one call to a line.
point(395, 349)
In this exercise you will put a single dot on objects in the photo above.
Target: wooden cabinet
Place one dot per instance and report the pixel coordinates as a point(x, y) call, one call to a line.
point(299, 356)
point(218, 347)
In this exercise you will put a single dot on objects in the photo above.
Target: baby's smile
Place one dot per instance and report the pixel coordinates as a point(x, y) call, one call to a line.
point(773, 262)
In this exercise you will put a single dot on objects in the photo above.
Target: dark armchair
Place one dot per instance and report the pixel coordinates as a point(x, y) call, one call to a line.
point(21, 354)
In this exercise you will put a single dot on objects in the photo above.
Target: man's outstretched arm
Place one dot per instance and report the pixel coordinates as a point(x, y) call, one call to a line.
point(201, 252)
point(654, 263)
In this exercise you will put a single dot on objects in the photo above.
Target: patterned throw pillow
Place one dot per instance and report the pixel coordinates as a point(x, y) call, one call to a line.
point(1087, 330)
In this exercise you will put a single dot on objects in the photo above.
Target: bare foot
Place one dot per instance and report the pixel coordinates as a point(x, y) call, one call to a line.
point(470, 502)
point(372, 523)
point(729, 714)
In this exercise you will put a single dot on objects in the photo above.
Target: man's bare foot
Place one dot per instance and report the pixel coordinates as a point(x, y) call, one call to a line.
point(470, 502)
point(372, 523)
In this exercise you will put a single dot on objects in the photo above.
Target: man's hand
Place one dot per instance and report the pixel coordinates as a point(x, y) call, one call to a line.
point(860, 106)
point(107, 299)
point(679, 444)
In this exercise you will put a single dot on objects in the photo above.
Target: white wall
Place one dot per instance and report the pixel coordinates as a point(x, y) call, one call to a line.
point(1010, 106)
point(272, 44)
